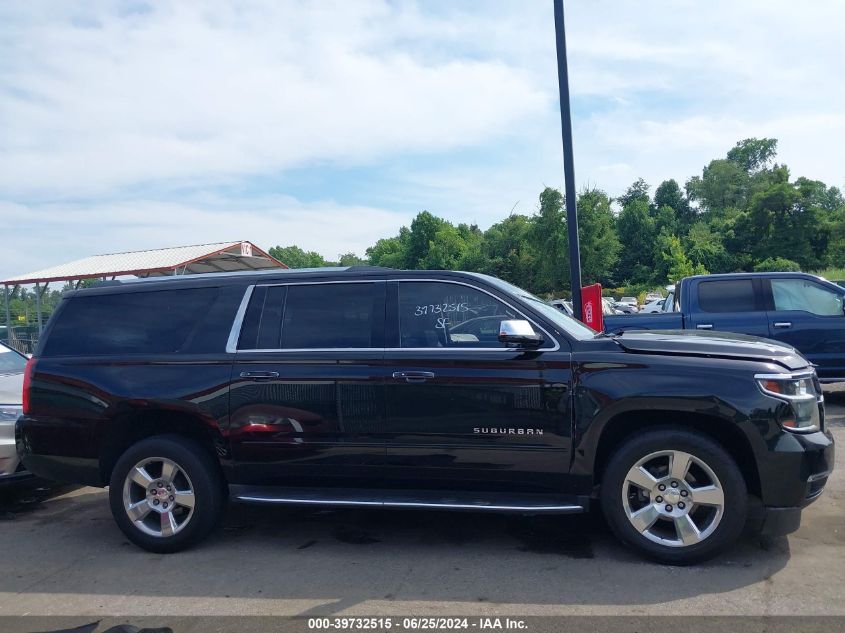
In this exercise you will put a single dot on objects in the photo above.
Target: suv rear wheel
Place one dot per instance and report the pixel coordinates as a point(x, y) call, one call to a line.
point(675, 495)
point(165, 493)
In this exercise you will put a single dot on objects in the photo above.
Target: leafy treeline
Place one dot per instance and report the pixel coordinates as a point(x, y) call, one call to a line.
point(742, 213)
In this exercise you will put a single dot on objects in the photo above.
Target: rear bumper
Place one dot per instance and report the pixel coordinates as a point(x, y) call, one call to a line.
point(68, 470)
point(44, 451)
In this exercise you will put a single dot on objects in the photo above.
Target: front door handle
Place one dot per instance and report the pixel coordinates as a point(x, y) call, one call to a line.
point(704, 326)
point(782, 324)
point(259, 374)
point(413, 376)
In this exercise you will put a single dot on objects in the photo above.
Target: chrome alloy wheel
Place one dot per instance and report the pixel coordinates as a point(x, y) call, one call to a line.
point(673, 498)
point(158, 497)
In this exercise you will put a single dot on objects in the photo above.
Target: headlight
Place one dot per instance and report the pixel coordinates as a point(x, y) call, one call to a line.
point(10, 412)
point(801, 393)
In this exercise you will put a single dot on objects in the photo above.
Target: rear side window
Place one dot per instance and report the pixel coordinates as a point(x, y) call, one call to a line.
point(262, 326)
point(328, 316)
point(159, 322)
point(728, 295)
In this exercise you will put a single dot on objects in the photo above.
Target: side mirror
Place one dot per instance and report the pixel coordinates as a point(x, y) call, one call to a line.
point(520, 333)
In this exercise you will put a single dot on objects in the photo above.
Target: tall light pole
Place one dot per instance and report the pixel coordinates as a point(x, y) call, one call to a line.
point(568, 162)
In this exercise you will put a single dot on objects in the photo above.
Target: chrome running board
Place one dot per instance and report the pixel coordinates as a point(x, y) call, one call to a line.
point(411, 499)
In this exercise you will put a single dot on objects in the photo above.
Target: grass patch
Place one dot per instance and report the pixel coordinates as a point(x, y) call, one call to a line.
point(831, 274)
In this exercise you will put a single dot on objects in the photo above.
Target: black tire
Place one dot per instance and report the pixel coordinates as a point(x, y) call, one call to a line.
point(734, 510)
point(202, 475)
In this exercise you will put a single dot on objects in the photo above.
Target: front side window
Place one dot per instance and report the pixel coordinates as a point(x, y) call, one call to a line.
point(328, 316)
point(436, 314)
point(805, 295)
point(726, 295)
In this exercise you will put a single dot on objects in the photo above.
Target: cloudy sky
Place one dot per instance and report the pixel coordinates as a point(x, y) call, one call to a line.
point(127, 125)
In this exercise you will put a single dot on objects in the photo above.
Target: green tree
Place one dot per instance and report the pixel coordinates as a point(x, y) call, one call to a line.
point(423, 231)
point(507, 252)
point(671, 261)
point(753, 154)
point(351, 259)
point(390, 252)
point(637, 234)
point(777, 265)
point(637, 191)
point(704, 247)
point(295, 257)
point(446, 250)
point(548, 237)
point(669, 194)
point(599, 243)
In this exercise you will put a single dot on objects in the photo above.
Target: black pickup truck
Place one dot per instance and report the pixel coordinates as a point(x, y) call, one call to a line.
point(797, 309)
point(414, 389)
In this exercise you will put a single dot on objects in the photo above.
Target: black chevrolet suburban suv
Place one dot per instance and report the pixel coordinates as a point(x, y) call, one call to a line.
point(414, 389)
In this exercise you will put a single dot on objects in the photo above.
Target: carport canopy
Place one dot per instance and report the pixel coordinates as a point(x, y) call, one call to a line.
point(178, 260)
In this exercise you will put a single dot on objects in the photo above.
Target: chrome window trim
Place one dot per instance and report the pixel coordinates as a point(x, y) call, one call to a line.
point(237, 324)
point(235, 332)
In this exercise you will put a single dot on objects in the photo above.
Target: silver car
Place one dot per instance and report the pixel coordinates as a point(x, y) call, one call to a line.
point(12, 365)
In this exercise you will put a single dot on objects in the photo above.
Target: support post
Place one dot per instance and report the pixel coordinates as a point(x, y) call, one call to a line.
point(38, 307)
point(568, 163)
point(8, 314)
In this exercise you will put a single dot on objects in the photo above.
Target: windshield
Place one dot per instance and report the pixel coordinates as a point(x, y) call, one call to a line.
point(10, 361)
point(561, 321)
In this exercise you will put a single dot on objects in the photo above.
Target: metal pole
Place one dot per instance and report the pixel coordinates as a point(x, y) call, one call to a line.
point(568, 162)
point(38, 307)
point(8, 314)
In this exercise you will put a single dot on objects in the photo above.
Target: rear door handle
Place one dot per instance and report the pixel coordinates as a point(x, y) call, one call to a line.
point(782, 324)
point(413, 376)
point(704, 326)
point(259, 374)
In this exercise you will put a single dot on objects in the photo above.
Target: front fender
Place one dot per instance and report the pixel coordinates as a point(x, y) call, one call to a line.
point(613, 398)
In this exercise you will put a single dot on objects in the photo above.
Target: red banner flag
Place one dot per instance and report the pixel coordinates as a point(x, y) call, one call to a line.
point(592, 306)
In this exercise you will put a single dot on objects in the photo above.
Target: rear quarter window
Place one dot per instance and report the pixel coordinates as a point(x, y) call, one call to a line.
point(157, 322)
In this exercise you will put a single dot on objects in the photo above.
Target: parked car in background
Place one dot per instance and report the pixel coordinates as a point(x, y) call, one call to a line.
point(562, 305)
point(414, 389)
point(797, 309)
point(625, 308)
point(653, 306)
point(652, 296)
point(631, 301)
point(12, 365)
point(609, 306)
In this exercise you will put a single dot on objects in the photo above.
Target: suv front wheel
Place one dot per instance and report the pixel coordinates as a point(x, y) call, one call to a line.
point(165, 493)
point(675, 495)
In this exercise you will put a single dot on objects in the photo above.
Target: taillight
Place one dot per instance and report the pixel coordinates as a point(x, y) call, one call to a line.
point(27, 383)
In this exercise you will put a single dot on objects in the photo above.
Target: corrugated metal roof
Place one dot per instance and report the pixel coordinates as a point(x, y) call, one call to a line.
point(199, 258)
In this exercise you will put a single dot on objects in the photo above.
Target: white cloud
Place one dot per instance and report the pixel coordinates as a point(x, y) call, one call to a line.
point(203, 91)
point(121, 122)
point(50, 234)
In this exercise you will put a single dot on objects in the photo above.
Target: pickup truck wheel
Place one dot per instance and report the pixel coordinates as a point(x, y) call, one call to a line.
point(675, 495)
point(165, 493)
